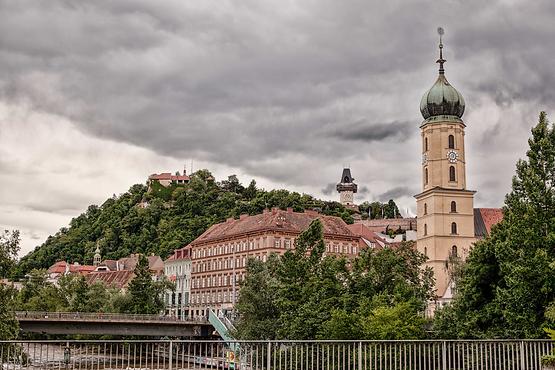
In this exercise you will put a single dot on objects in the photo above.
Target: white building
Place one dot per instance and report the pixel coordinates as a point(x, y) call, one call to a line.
point(177, 269)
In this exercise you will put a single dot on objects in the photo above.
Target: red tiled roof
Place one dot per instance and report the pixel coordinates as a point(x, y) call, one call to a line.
point(379, 225)
point(168, 176)
point(116, 279)
point(276, 219)
point(484, 219)
point(60, 268)
point(180, 254)
point(363, 231)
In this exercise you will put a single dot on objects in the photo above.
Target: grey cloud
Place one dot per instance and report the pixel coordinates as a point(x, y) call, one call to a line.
point(329, 189)
point(397, 192)
point(363, 131)
point(288, 93)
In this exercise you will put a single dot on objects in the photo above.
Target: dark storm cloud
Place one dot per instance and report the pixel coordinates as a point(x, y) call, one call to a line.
point(288, 92)
point(398, 192)
point(363, 131)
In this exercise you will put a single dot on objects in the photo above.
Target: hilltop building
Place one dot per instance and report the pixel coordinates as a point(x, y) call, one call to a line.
point(220, 254)
point(447, 223)
point(177, 269)
point(166, 179)
point(346, 188)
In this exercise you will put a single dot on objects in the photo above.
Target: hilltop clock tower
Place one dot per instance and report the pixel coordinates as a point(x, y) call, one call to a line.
point(445, 207)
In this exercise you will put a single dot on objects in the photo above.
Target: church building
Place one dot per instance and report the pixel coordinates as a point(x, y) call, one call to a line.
point(445, 208)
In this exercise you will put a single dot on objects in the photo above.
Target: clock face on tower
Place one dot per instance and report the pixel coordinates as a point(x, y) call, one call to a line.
point(452, 156)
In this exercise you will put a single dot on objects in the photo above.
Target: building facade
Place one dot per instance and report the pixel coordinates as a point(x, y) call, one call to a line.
point(445, 207)
point(177, 269)
point(219, 256)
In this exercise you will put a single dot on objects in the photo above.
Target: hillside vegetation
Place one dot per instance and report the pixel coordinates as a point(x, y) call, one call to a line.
point(172, 218)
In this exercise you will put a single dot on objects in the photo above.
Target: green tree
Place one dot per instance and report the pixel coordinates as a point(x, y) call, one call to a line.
point(508, 280)
point(9, 326)
point(9, 247)
point(145, 295)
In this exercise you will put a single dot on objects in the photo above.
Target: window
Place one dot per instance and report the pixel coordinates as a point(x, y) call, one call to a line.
point(453, 206)
point(452, 173)
point(453, 227)
point(425, 208)
point(451, 142)
point(454, 251)
point(426, 251)
point(425, 229)
point(426, 175)
point(277, 243)
point(426, 144)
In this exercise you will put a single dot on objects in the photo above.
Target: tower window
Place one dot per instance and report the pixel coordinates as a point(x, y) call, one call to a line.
point(454, 251)
point(346, 179)
point(425, 229)
point(451, 142)
point(453, 227)
point(426, 176)
point(453, 206)
point(426, 144)
point(425, 208)
point(452, 173)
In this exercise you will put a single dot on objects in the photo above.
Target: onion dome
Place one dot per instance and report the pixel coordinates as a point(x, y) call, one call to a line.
point(442, 99)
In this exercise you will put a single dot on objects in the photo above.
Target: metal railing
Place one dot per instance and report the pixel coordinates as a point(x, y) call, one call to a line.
point(94, 316)
point(283, 355)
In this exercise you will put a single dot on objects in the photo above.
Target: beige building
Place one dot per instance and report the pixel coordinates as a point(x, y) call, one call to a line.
point(177, 269)
point(219, 256)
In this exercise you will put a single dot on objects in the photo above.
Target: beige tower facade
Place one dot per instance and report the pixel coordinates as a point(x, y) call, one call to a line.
point(445, 207)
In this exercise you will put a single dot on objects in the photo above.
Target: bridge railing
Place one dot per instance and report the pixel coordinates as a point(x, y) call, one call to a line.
point(94, 316)
point(282, 355)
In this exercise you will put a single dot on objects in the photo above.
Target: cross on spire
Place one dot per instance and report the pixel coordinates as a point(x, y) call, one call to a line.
point(441, 60)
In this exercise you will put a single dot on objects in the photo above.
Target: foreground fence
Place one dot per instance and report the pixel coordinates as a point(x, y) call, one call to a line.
point(266, 355)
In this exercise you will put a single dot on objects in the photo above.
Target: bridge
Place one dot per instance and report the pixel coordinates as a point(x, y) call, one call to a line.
point(111, 324)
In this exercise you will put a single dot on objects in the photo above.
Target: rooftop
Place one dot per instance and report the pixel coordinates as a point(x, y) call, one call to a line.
point(275, 219)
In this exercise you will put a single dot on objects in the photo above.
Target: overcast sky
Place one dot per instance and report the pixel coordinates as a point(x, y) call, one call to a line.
point(97, 95)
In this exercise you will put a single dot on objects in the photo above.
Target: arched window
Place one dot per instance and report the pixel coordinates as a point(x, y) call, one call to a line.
point(453, 227)
point(425, 229)
point(454, 251)
point(426, 251)
point(453, 206)
point(346, 179)
point(426, 144)
point(451, 142)
point(452, 173)
point(425, 208)
point(426, 176)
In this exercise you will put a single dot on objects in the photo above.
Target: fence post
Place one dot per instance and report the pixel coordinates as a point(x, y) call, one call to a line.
point(268, 357)
point(522, 356)
point(444, 355)
point(171, 355)
point(360, 355)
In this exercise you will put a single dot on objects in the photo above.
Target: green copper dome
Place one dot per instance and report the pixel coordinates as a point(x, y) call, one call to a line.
point(442, 100)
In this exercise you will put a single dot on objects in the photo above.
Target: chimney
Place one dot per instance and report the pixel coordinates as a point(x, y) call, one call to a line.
point(275, 210)
point(289, 210)
point(230, 219)
point(265, 211)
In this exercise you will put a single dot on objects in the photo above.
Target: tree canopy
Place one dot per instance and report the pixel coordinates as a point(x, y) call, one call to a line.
point(304, 294)
point(508, 280)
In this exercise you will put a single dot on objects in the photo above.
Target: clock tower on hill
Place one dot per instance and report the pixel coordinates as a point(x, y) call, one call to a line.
point(445, 207)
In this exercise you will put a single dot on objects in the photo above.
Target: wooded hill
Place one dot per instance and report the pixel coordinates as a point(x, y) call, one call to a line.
point(164, 219)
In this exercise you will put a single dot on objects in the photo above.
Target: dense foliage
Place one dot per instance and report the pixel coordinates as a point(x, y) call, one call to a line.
point(305, 295)
point(9, 246)
point(163, 219)
point(508, 281)
point(73, 294)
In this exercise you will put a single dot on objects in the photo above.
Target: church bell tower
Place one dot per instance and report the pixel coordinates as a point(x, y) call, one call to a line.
point(346, 188)
point(445, 207)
